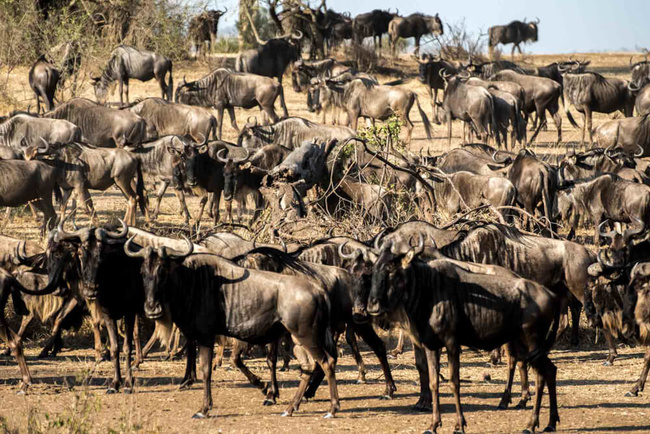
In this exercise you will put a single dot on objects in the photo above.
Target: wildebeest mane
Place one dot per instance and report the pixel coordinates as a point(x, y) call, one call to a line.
point(642, 132)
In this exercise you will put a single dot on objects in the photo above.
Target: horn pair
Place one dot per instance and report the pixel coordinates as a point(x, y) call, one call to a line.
point(234, 160)
point(163, 252)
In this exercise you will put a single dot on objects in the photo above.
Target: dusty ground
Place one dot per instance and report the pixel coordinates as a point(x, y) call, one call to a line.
point(590, 395)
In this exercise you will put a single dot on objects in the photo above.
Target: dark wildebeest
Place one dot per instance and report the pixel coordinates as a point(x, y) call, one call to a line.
point(43, 79)
point(597, 161)
point(102, 126)
point(414, 26)
point(432, 301)
point(514, 33)
point(627, 133)
point(610, 197)
point(541, 94)
point(23, 130)
point(372, 24)
point(485, 70)
point(554, 70)
point(165, 118)
point(126, 63)
point(9, 286)
point(363, 98)
point(590, 92)
point(203, 30)
point(471, 104)
point(261, 306)
point(642, 102)
point(291, 133)
point(640, 72)
point(429, 74)
point(304, 71)
point(271, 59)
point(34, 182)
point(341, 30)
point(224, 89)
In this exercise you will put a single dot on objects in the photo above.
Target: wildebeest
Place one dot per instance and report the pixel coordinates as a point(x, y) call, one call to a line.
point(485, 70)
point(291, 133)
point(597, 161)
point(304, 71)
point(627, 133)
point(225, 89)
point(413, 26)
point(203, 30)
point(609, 197)
point(642, 102)
point(514, 33)
point(591, 92)
point(432, 302)
point(363, 98)
point(126, 63)
point(541, 94)
point(640, 72)
point(323, 99)
point(554, 70)
point(470, 104)
point(23, 130)
point(429, 74)
point(165, 118)
point(372, 24)
point(191, 287)
point(102, 126)
point(462, 159)
point(43, 79)
point(271, 59)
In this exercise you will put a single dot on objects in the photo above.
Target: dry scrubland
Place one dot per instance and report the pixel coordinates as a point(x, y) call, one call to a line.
point(590, 395)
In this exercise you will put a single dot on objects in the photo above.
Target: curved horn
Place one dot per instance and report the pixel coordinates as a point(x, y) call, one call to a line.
point(632, 87)
point(297, 35)
point(602, 260)
point(245, 159)
point(180, 254)
point(124, 231)
point(494, 157)
point(94, 78)
point(130, 253)
point(61, 234)
point(378, 240)
point(343, 255)
point(639, 227)
point(640, 151)
point(20, 254)
point(220, 158)
point(43, 150)
point(420, 247)
point(609, 234)
point(536, 20)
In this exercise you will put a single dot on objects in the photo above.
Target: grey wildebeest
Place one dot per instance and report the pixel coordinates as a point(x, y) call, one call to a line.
point(541, 94)
point(471, 104)
point(102, 126)
point(413, 26)
point(126, 63)
point(372, 24)
point(640, 72)
point(43, 79)
point(432, 302)
point(363, 98)
point(10, 286)
point(186, 283)
point(627, 133)
point(166, 118)
point(485, 70)
point(305, 70)
point(323, 99)
point(609, 197)
point(291, 133)
point(429, 74)
point(203, 30)
point(23, 130)
point(642, 102)
point(225, 89)
point(513, 33)
point(590, 92)
point(271, 59)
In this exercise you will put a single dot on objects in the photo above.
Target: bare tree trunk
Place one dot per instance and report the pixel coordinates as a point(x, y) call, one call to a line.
point(246, 36)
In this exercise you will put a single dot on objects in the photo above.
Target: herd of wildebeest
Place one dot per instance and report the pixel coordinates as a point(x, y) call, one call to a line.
point(481, 284)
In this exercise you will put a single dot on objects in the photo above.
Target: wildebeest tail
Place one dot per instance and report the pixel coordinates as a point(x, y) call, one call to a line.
point(58, 197)
point(213, 128)
point(425, 119)
point(546, 198)
point(394, 82)
point(170, 85)
point(552, 332)
point(568, 113)
point(139, 188)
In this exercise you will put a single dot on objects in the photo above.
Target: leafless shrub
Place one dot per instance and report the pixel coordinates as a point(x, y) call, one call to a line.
point(364, 55)
point(457, 43)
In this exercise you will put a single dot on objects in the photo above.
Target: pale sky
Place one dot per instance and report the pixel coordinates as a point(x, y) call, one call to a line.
point(566, 26)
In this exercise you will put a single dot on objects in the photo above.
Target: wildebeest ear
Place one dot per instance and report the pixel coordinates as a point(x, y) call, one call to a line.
point(406, 260)
point(203, 149)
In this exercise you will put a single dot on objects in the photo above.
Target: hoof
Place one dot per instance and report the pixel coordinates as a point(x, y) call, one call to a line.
point(632, 394)
point(21, 392)
point(521, 405)
point(502, 406)
point(487, 377)
point(269, 402)
point(386, 397)
point(42, 356)
point(362, 381)
point(549, 429)
point(428, 431)
point(199, 415)
point(459, 431)
point(328, 416)
point(285, 414)
point(607, 363)
point(526, 431)
point(127, 391)
point(391, 356)
point(422, 408)
point(111, 390)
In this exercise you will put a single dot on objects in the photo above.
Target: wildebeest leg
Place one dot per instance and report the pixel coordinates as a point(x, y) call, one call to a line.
point(190, 366)
point(159, 195)
point(369, 336)
point(216, 202)
point(282, 103)
point(131, 196)
point(399, 348)
point(424, 402)
point(512, 363)
point(84, 197)
point(120, 82)
point(449, 132)
point(587, 126)
point(235, 358)
point(611, 348)
point(575, 307)
point(233, 119)
point(129, 322)
point(522, 365)
point(549, 375)
point(44, 205)
point(512, 54)
point(271, 389)
point(219, 122)
point(136, 342)
point(351, 339)
point(417, 46)
point(126, 84)
point(181, 200)
point(96, 319)
point(221, 347)
point(554, 110)
point(640, 384)
point(453, 355)
point(10, 338)
point(433, 369)
point(205, 353)
point(111, 327)
point(56, 328)
point(541, 117)
point(409, 126)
